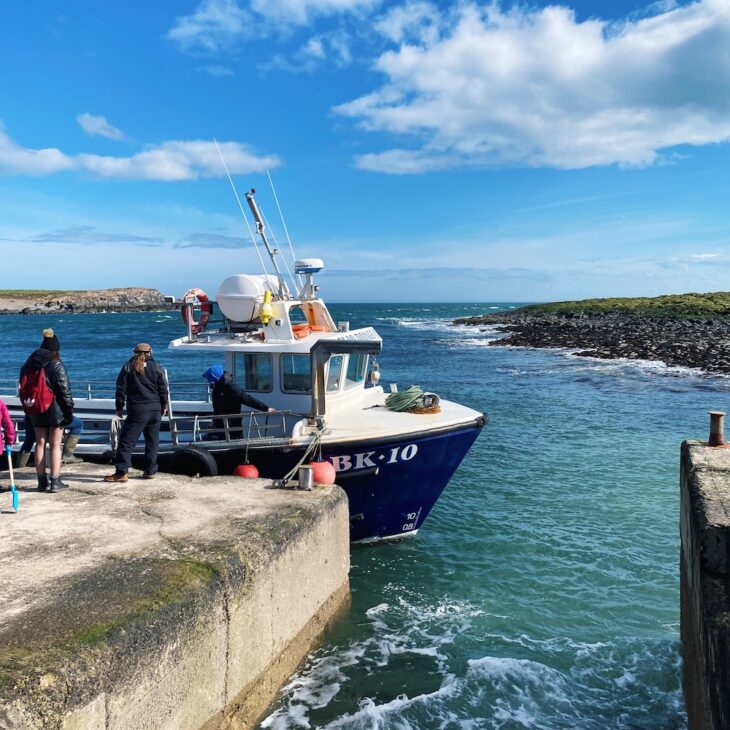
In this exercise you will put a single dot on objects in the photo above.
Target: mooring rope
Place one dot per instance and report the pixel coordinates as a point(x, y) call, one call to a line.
point(309, 451)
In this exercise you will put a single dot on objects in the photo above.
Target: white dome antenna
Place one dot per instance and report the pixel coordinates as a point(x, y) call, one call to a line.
point(308, 267)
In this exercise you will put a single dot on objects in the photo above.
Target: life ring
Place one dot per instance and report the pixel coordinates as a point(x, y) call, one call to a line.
point(206, 309)
point(300, 330)
point(317, 328)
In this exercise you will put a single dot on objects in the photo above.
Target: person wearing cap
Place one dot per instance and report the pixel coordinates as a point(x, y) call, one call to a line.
point(228, 397)
point(142, 387)
point(49, 425)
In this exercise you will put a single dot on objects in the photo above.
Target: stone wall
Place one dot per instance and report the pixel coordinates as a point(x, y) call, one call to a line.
point(705, 584)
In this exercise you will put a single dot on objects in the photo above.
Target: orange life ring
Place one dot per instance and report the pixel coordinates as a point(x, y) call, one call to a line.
point(300, 327)
point(300, 331)
point(206, 309)
point(317, 328)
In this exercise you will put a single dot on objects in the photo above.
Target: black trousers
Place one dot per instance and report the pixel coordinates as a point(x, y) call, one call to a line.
point(134, 425)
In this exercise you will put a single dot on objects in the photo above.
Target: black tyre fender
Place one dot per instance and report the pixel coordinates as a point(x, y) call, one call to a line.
point(193, 461)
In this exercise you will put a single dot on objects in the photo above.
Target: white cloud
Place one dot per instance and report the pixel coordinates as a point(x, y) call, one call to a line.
point(301, 12)
point(219, 25)
point(218, 71)
point(414, 20)
point(169, 161)
point(535, 87)
point(214, 26)
point(333, 48)
point(97, 126)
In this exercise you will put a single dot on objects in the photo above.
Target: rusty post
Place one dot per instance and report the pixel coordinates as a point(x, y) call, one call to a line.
point(717, 429)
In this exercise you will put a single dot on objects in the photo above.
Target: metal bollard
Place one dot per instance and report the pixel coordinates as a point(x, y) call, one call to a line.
point(717, 428)
point(306, 478)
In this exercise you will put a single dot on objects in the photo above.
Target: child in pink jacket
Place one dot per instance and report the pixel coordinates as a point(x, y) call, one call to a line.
point(7, 432)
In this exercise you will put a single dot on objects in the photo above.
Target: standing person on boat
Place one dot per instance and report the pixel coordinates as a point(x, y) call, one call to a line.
point(141, 385)
point(43, 379)
point(228, 397)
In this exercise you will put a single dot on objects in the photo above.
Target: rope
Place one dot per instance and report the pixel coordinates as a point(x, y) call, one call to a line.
point(313, 445)
point(413, 400)
point(114, 429)
point(404, 400)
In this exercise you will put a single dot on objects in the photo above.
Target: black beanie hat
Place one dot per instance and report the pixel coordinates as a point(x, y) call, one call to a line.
point(50, 341)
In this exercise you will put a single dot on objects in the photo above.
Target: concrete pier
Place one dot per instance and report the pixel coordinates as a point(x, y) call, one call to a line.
point(172, 603)
point(705, 584)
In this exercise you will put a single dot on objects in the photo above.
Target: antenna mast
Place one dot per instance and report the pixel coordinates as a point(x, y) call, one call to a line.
point(261, 229)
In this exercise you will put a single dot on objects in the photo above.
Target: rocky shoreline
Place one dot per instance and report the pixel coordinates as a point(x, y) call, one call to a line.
point(689, 342)
point(135, 299)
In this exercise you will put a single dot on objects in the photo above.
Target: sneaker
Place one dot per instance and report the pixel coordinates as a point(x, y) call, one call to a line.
point(148, 476)
point(116, 477)
point(42, 482)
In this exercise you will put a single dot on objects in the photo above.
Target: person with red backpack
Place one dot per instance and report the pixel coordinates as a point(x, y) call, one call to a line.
point(45, 395)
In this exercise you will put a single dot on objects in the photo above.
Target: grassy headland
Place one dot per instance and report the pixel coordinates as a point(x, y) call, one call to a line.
point(689, 305)
point(44, 301)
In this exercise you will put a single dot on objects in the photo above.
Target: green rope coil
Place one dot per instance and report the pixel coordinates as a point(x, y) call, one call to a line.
point(406, 399)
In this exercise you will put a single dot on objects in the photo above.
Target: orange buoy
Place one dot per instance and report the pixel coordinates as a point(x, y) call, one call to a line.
point(323, 472)
point(246, 471)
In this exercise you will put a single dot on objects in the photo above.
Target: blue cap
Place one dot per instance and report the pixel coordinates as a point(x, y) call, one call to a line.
point(214, 373)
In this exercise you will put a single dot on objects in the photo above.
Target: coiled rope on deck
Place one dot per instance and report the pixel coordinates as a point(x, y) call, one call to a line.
point(413, 400)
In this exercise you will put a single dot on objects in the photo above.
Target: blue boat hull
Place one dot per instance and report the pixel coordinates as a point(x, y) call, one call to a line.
point(392, 484)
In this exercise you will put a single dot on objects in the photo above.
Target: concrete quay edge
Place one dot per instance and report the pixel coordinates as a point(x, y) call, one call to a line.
point(173, 603)
point(705, 584)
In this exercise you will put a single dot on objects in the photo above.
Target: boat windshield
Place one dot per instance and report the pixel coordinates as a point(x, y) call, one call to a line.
point(296, 373)
point(254, 371)
point(356, 369)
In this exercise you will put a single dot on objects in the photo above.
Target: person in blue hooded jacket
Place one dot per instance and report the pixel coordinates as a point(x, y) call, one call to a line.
point(228, 397)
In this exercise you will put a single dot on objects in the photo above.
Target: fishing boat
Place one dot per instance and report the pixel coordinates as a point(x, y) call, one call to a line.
point(393, 453)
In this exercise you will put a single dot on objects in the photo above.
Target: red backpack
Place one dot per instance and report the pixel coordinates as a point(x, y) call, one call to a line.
point(35, 395)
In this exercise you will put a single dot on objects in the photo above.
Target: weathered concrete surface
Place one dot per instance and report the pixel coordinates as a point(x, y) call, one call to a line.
point(705, 584)
point(173, 603)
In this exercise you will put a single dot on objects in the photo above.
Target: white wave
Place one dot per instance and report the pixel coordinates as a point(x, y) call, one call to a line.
point(400, 628)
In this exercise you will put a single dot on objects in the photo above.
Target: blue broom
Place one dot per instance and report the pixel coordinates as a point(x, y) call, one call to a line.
point(13, 490)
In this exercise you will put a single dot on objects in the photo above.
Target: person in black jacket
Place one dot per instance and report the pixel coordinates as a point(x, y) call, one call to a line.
point(228, 397)
point(142, 387)
point(49, 425)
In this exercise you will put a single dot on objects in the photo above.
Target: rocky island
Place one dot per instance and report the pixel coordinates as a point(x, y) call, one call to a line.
point(691, 330)
point(41, 301)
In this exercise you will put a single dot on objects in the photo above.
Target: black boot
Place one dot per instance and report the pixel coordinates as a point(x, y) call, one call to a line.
point(57, 484)
point(42, 482)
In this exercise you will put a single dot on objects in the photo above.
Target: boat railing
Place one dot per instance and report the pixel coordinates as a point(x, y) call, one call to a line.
point(237, 429)
point(105, 389)
point(250, 427)
point(8, 387)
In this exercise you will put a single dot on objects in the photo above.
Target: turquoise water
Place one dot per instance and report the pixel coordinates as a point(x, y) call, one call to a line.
point(542, 591)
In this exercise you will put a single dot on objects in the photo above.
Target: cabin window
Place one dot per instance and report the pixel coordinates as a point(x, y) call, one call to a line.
point(356, 367)
point(254, 371)
point(334, 374)
point(296, 373)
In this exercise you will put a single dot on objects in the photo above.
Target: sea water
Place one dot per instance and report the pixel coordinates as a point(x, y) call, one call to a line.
point(542, 591)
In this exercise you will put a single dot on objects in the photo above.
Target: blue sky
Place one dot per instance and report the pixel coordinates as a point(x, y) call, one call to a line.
point(466, 151)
